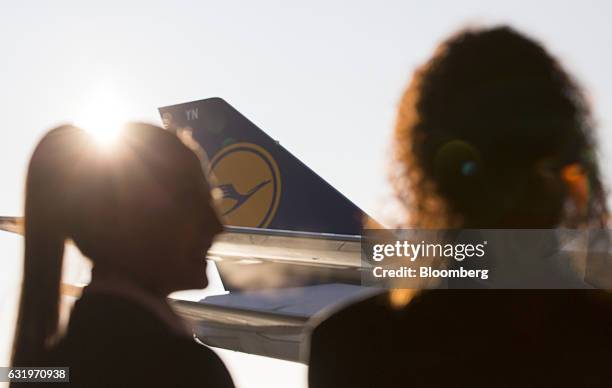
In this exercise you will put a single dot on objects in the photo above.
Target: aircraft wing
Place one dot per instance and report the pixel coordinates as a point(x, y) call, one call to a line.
point(269, 323)
point(307, 248)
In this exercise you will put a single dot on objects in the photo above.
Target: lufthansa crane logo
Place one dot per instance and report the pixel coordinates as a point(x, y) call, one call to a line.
point(249, 180)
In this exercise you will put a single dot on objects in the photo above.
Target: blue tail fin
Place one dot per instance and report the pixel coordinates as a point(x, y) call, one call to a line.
point(263, 184)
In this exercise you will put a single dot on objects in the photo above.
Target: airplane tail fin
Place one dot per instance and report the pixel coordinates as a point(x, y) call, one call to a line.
point(261, 183)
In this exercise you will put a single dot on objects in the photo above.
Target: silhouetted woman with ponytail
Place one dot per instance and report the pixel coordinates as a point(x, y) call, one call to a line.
point(141, 211)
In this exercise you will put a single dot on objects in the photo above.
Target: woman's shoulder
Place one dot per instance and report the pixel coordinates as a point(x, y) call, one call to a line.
point(113, 336)
point(427, 309)
point(338, 328)
point(375, 305)
point(198, 363)
point(164, 360)
point(383, 308)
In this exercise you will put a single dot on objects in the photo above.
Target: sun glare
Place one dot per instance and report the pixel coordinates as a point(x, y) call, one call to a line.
point(103, 115)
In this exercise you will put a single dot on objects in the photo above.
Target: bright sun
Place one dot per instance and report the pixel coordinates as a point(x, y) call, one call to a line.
point(103, 115)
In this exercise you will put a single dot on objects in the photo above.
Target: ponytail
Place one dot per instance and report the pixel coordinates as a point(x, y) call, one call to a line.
point(46, 220)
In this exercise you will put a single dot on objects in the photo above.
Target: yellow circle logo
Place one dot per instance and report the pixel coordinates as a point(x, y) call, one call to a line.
point(249, 180)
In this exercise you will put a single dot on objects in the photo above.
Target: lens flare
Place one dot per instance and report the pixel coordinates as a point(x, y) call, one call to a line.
point(103, 115)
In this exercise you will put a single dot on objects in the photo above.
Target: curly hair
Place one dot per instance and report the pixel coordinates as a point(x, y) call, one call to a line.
point(487, 133)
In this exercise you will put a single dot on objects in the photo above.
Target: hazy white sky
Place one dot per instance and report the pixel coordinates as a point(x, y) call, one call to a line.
point(323, 77)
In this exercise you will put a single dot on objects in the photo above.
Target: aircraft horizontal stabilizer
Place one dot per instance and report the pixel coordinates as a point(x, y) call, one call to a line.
point(12, 224)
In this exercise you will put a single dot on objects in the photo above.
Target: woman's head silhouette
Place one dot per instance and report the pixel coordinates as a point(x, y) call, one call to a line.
point(141, 211)
point(491, 133)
